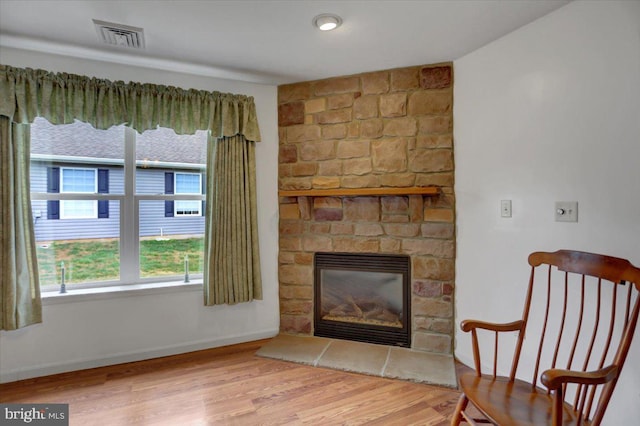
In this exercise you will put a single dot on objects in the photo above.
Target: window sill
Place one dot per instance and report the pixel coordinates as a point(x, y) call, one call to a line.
point(113, 292)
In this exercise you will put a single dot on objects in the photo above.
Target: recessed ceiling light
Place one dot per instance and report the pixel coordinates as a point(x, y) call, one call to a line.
point(327, 21)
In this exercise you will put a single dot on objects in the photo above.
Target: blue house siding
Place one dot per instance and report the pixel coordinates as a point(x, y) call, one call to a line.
point(150, 181)
point(152, 213)
point(70, 229)
point(152, 219)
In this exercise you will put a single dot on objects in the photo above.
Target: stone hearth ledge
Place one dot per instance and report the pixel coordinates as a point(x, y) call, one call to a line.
point(376, 360)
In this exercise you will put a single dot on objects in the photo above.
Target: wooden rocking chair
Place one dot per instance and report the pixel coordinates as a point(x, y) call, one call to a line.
point(594, 301)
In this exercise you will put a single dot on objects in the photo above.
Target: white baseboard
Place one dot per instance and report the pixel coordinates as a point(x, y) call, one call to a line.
point(64, 367)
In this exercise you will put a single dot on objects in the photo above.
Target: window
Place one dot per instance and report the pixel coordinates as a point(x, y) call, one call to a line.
point(78, 181)
point(188, 183)
point(183, 183)
point(99, 199)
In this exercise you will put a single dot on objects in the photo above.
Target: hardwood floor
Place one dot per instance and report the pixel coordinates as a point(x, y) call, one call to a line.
point(232, 386)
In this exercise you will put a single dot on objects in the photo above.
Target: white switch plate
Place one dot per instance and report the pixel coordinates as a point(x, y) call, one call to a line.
point(566, 211)
point(505, 208)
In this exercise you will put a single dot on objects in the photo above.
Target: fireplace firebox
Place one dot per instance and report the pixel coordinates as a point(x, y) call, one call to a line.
point(363, 297)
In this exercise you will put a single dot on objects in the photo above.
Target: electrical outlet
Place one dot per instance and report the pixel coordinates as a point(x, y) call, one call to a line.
point(566, 211)
point(505, 208)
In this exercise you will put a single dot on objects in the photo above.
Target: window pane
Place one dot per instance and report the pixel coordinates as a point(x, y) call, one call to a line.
point(81, 209)
point(187, 183)
point(188, 208)
point(79, 180)
point(165, 241)
point(73, 154)
point(78, 243)
point(84, 235)
point(167, 163)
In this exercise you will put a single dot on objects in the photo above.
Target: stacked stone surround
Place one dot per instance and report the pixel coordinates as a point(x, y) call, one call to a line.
point(389, 128)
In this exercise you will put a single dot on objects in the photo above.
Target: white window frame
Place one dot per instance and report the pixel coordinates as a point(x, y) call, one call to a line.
point(176, 212)
point(65, 204)
point(129, 218)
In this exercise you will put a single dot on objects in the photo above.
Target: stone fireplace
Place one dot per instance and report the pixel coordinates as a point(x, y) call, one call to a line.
point(366, 167)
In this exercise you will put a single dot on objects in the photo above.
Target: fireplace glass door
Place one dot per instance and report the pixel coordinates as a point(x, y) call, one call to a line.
point(363, 297)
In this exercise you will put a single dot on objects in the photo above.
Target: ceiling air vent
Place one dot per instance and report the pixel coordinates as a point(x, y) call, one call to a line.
point(119, 35)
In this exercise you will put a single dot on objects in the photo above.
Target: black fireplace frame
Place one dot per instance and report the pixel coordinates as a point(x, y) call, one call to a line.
point(370, 262)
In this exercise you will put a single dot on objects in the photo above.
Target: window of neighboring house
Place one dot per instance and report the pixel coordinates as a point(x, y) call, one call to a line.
point(78, 181)
point(99, 202)
point(188, 183)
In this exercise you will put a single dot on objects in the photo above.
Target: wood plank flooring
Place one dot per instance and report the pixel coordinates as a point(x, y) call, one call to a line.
point(232, 386)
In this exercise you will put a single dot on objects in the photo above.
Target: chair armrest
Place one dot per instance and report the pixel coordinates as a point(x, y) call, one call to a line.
point(468, 325)
point(474, 325)
point(555, 377)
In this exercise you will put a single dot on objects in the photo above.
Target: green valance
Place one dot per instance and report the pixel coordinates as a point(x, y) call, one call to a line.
point(26, 93)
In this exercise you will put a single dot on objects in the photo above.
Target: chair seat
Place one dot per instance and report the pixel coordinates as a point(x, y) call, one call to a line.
point(512, 403)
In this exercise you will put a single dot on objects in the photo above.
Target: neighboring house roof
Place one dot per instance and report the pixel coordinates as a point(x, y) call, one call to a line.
point(82, 140)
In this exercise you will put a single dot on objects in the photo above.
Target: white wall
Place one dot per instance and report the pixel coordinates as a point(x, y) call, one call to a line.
point(105, 330)
point(550, 112)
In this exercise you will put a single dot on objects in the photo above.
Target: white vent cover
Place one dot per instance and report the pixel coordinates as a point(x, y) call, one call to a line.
point(119, 35)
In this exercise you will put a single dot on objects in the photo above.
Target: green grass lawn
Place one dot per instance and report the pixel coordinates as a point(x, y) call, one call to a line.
point(99, 260)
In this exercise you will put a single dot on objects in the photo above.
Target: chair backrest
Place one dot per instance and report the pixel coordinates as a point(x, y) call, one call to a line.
point(582, 309)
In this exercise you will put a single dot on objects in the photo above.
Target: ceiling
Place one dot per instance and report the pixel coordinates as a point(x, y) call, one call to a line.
point(269, 41)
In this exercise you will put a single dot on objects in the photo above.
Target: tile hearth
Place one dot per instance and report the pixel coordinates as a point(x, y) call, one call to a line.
point(376, 360)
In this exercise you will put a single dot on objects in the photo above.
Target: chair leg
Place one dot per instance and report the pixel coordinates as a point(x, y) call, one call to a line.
point(460, 407)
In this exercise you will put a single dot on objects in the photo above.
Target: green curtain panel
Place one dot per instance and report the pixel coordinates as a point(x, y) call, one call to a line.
point(62, 98)
point(20, 303)
point(232, 262)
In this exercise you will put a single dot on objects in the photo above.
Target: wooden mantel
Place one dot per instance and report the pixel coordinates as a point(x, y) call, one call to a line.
point(427, 191)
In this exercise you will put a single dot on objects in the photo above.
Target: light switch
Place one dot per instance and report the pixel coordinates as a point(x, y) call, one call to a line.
point(566, 211)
